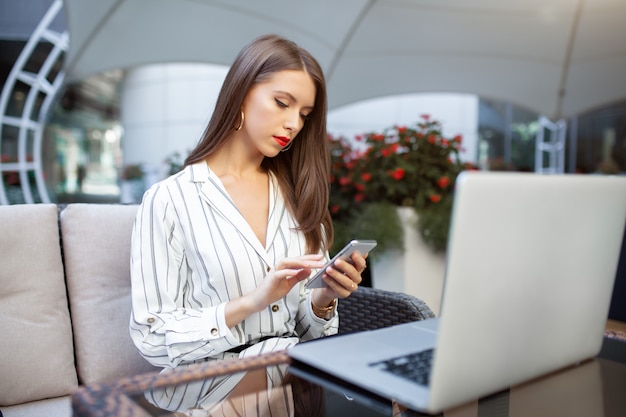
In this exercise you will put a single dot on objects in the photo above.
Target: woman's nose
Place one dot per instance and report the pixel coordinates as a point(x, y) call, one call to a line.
point(293, 121)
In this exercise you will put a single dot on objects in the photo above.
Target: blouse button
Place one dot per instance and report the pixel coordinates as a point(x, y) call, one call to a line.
point(214, 332)
point(151, 320)
point(275, 308)
point(268, 269)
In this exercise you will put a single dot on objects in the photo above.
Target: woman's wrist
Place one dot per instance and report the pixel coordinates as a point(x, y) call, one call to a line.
point(324, 312)
point(238, 309)
point(322, 307)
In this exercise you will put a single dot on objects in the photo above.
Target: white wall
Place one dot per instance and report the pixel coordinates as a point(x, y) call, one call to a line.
point(165, 108)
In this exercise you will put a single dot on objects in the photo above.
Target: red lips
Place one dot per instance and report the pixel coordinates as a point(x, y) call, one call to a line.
point(282, 140)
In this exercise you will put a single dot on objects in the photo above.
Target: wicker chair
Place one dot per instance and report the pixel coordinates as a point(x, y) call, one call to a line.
point(370, 308)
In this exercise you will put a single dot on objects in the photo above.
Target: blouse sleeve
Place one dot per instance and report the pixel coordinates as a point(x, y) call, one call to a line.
point(309, 326)
point(163, 329)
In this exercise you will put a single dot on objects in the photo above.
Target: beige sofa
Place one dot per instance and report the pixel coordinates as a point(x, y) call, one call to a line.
point(64, 309)
point(65, 305)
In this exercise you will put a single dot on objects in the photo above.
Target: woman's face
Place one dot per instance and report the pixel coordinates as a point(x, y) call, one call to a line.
point(276, 110)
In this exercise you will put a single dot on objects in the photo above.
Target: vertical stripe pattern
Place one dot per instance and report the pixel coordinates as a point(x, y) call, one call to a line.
point(191, 252)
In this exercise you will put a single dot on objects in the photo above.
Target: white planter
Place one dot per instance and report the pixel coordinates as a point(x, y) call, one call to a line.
point(417, 271)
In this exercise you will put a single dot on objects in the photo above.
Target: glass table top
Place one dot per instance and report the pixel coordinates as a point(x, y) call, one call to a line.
point(272, 385)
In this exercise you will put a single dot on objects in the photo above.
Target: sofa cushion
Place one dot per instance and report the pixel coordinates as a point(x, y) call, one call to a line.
point(37, 355)
point(53, 407)
point(96, 248)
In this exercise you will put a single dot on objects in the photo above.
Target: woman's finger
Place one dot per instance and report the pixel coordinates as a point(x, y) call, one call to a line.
point(306, 261)
point(342, 283)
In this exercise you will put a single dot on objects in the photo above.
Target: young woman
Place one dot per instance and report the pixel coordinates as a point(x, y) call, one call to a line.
point(221, 250)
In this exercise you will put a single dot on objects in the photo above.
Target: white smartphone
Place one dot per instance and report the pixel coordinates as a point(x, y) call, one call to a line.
point(362, 246)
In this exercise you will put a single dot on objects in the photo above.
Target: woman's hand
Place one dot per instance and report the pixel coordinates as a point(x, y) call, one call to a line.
point(280, 279)
point(342, 279)
point(286, 274)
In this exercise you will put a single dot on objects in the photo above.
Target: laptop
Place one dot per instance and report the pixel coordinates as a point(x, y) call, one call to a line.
point(530, 266)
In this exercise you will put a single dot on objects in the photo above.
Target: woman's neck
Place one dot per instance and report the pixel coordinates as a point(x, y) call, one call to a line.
point(235, 161)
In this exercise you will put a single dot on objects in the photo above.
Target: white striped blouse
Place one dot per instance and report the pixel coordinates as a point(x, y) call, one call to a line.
point(191, 252)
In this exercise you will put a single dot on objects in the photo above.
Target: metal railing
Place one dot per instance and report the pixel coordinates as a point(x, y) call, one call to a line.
point(43, 87)
point(550, 146)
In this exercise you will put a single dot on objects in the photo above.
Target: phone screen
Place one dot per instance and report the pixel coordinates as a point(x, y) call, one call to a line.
point(361, 246)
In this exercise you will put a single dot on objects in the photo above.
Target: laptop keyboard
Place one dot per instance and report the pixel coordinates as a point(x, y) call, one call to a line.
point(413, 366)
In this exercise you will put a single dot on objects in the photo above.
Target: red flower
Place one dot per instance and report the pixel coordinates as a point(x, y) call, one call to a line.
point(334, 209)
point(344, 180)
point(398, 174)
point(391, 149)
point(443, 182)
point(404, 165)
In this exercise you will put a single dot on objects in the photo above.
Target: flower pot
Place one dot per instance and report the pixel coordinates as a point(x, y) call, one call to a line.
point(417, 270)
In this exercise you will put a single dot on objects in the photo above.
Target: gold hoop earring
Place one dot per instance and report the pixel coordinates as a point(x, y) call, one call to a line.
point(240, 124)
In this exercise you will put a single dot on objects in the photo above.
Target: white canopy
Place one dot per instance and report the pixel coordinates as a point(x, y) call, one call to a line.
point(556, 57)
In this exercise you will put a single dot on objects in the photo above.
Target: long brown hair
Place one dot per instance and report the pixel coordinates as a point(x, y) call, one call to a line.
point(303, 170)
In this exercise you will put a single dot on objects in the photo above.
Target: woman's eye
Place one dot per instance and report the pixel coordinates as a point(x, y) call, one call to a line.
point(305, 117)
point(280, 103)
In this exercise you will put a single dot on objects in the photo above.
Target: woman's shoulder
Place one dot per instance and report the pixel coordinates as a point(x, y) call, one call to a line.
point(176, 183)
point(190, 174)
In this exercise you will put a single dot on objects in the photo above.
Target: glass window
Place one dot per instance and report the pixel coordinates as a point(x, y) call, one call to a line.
point(506, 136)
point(601, 141)
point(83, 135)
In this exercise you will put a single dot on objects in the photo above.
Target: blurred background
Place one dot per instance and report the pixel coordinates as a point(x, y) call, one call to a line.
point(129, 86)
point(102, 98)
